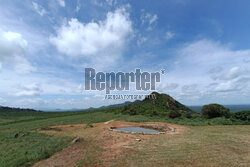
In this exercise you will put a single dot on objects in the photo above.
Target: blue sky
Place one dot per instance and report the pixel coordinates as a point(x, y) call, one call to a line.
point(46, 45)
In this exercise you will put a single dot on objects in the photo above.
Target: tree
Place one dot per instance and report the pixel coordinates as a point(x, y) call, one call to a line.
point(215, 110)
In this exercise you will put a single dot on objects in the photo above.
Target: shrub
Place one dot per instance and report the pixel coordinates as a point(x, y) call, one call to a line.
point(154, 113)
point(174, 114)
point(242, 115)
point(215, 110)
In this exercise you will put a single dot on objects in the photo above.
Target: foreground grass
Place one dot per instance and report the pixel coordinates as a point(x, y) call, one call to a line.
point(34, 146)
point(199, 146)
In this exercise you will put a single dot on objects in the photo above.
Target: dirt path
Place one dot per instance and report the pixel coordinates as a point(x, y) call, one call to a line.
point(67, 157)
point(101, 146)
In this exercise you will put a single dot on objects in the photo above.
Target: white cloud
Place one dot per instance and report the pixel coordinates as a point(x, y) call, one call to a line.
point(226, 86)
point(61, 3)
point(217, 70)
point(233, 73)
point(11, 44)
point(29, 90)
point(149, 19)
point(167, 87)
point(39, 9)
point(102, 40)
point(169, 35)
point(13, 50)
point(22, 66)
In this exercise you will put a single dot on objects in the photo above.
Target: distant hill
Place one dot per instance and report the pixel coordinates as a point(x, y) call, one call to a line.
point(115, 105)
point(157, 104)
point(14, 110)
point(12, 115)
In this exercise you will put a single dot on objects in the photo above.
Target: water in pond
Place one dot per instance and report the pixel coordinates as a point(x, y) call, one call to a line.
point(138, 130)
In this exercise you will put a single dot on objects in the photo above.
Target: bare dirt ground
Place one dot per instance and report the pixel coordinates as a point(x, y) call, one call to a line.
point(99, 145)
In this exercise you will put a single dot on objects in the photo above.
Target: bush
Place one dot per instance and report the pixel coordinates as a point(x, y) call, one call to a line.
point(188, 115)
point(215, 110)
point(154, 113)
point(174, 114)
point(242, 115)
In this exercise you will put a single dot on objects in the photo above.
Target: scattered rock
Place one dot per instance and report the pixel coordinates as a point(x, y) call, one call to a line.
point(22, 135)
point(112, 127)
point(108, 122)
point(172, 129)
point(138, 140)
point(76, 140)
point(50, 128)
point(16, 136)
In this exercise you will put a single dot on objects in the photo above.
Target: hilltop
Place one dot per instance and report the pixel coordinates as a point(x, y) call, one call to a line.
point(157, 104)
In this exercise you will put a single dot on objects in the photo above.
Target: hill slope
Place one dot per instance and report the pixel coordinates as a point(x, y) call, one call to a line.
point(157, 104)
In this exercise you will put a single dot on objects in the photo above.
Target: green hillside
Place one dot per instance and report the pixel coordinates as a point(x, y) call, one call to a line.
point(158, 104)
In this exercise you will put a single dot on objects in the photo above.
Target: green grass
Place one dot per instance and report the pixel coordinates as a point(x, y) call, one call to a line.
point(24, 151)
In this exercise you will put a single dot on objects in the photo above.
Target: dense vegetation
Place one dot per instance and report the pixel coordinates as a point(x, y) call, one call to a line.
point(164, 107)
point(158, 105)
point(242, 115)
point(215, 110)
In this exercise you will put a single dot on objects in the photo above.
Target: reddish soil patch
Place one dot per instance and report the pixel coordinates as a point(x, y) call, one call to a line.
point(101, 145)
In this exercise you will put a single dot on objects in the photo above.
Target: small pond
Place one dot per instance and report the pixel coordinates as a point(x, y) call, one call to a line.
point(138, 130)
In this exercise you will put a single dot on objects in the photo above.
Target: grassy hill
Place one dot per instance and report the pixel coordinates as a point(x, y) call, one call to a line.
point(158, 104)
point(10, 115)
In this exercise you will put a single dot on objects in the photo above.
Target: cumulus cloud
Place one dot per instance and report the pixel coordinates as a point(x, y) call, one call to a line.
point(97, 40)
point(13, 50)
point(207, 69)
point(39, 9)
point(209, 57)
point(12, 44)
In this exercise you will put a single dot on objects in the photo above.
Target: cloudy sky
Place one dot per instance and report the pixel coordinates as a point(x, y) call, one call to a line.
point(45, 46)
